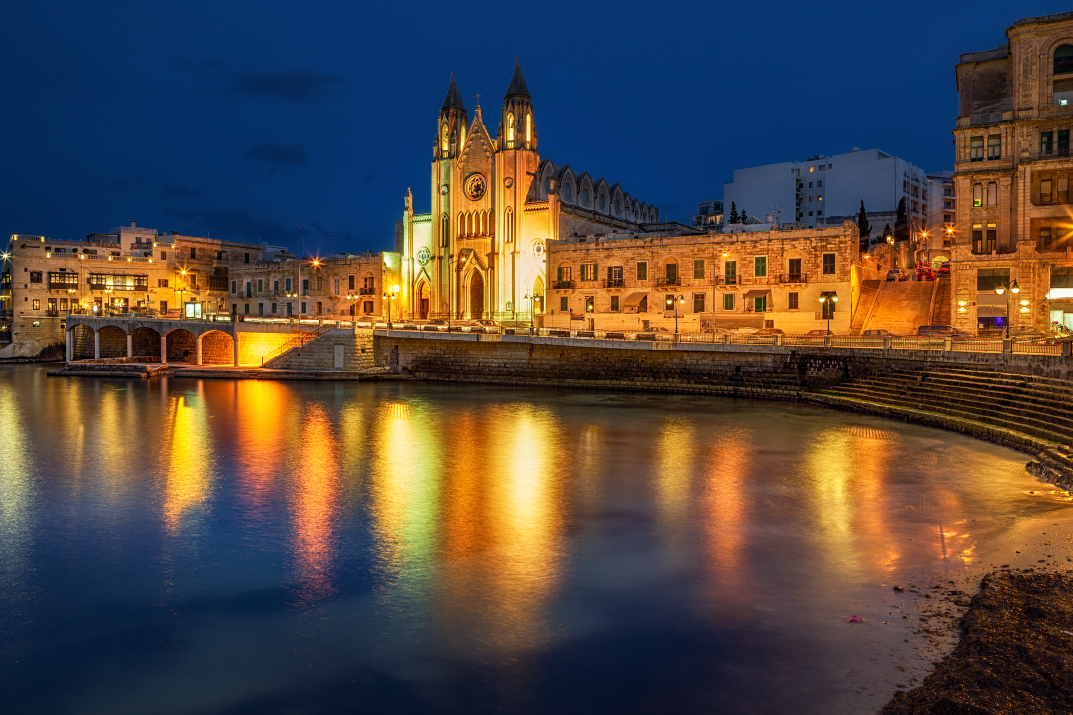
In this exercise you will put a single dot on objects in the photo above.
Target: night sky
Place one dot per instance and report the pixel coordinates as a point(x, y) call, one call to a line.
point(246, 120)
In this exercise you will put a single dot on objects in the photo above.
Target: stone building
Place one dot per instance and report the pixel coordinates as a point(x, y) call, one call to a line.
point(1012, 173)
point(348, 285)
point(732, 280)
point(494, 204)
point(128, 270)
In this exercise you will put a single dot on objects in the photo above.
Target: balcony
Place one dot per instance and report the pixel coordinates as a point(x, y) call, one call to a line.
point(366, 291)
point(563, 285)
point(668, 282)
point(726, 281)
point(801, 278)
point(615, 283)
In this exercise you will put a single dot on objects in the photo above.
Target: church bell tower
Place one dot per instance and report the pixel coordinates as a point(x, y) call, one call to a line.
point(448, 144)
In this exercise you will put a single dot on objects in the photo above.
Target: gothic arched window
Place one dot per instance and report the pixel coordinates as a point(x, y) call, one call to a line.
point(618, 207)
point(461, 224)
point(584, 197)
point(508, 224)
point(510, 130)
point(528, 128)
point(443, 141)
point(1063, 59)
point(567, 193)
point(446, 228)
point(461, 137)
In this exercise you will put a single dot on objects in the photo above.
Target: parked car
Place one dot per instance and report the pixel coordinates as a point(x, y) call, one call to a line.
point(880, 333)
point(818, 333)
point(944, 268)
point(768, 331)
point(942, 331)
point(894, 274)
point(925, 273)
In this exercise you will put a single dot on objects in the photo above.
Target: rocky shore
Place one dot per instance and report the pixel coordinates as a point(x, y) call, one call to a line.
point(1015, 655)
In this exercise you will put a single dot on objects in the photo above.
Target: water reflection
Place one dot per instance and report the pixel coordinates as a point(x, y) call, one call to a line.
point(314, 499)
point(188, 456)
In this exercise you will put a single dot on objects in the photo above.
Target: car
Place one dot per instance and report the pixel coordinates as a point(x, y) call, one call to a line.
point(925, 273)
point(878, 333)
point(818, 333)
point(944, 268)
point(894, 274)
point(942, 331)
point(437, 321)
point(768, 331)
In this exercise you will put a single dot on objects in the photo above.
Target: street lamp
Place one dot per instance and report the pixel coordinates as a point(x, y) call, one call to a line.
point(529, 297)
point(671, 304)
point(389, 297)
point(828, 302)
point(1001, 290)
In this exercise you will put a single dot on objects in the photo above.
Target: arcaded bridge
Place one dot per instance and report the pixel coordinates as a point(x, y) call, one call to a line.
point(201, 342)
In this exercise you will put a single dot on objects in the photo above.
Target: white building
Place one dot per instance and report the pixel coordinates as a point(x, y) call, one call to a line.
point(941, 210)
point(826, 189)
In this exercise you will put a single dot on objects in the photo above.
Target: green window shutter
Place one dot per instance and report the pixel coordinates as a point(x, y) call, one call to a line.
point(560, 273)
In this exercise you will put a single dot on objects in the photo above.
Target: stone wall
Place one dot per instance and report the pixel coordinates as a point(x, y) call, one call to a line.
point(217, 349)
point(690, 367)
point(319, 354)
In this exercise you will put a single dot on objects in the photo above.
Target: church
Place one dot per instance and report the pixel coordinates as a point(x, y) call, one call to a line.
point(479, 253)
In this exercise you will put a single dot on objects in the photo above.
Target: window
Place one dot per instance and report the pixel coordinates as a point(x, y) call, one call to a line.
point(234, 287)
point(368, 308)
point(260, 285)
point(670, 271)
point(1046, 143)
point(760, 304)
point(584, 197)
point(614, 303)
point(1063, 59)
point(275, 287)
point(994, 147)
point(819, 184)
point(161, 282)
point(35, 276)
point(510, 130)
point(37, 304)
point(791, 301)
point(193, 252)
point(730, 272)
point(1063, 189)
point(988, 279)
point(565, 274)
point(305, 287)
point(302, 308)
point(564, 304)
point(976, 149)
point(828, 264)
point(991, 237)
point(320, 283)
point(794, 264)
point(287, 284)
point(566, 192)
point(234, 308)
point(698, 269)
point(698, 302)
point(1045, 239)
point(811, 169)
point(810, 184)
point(272, 308)
point(249, 289)
point(828, 309)
point(642, 270)
point(590, 304)
point(260, 309)
point(760, 266)
point(588, 271)
point(1063, 142)
point(63, 303)
point(163, 255)
point(977, 195)
point(728, 301)
point(948, 218)
point(1045, 195)
point(977, 237)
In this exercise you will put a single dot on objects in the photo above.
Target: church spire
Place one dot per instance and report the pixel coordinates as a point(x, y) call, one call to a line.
point(453, 100)
point(517, 86)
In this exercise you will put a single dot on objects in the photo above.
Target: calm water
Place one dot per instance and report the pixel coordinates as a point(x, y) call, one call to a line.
point(270, 547)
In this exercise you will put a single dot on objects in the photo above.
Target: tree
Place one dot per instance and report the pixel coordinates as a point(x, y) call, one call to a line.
point(864, 227)
point(743, 216)
point(901, 222)
point(733, 213)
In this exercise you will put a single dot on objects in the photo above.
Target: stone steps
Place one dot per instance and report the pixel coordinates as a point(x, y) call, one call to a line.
point(1015, 398)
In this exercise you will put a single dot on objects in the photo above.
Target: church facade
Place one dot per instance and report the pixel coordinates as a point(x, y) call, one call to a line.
point(480, 252)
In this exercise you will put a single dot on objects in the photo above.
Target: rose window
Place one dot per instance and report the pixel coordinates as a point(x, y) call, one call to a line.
point(475, 187)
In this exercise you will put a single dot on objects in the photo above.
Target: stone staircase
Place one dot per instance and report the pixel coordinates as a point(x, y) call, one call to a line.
point(940, 304)
point(901, 307)
point(1027, 412)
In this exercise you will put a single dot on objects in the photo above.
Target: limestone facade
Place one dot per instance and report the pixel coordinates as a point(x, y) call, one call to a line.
point(129, 270)
point(754, 279)
point(1012, 175)
point(352, 286)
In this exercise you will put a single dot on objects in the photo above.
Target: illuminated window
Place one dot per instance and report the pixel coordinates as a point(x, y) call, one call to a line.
point(510, 130)
point(461, 137)
point(976, 149)
point(588, 271)
point(977, 195)
point(528, 127)
point(443, 140)
point(37, 303)
point(1045, 191)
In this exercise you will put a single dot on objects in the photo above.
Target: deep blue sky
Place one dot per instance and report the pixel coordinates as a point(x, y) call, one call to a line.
point(245, 120)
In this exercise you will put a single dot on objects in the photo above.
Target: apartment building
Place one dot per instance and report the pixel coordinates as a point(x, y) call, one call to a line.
point(941, 212)
point(127, 270)
point(727, 280)
point(365, 285)
point(1012, 171)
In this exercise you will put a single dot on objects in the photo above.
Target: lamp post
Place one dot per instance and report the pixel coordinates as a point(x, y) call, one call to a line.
point(389, 297)
point(672, 302)
point(530, 297)
point(828, 302)
point(1001, 290)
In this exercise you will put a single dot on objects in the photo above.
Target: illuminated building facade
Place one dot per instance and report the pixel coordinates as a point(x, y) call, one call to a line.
point(480, 250)
point(1011, 175)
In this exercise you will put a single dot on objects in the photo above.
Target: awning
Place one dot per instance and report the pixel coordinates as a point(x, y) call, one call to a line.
point(634, 299)
point(757, 293)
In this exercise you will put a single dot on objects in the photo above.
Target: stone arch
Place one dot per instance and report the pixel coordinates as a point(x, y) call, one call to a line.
point(475, 295)
point(217, 348)
point(508, 225)
point(635, 210)
point(461, 225)
point(82, 338)
point(145, 342)
point(567, 185)
point(113, 340)
point(181, 345)
point(424, 300)
point(616, 208)
point(547, 171)
point(602, 203)
point(670, 270)
point(537, 291)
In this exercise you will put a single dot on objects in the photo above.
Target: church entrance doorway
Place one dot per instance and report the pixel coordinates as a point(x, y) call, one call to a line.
point(423, 301)
point(538, 296)
point(476, 296)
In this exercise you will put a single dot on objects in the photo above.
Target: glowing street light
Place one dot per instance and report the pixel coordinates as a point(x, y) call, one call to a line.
point(672, 301)
point(828, 301)
point(389, 297)
point(1001, 290)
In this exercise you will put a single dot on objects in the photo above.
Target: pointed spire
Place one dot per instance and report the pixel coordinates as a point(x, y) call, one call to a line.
point(517, 86)
point(453, 100)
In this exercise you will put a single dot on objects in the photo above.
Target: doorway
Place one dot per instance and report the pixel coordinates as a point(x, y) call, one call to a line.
point(476, 296)
point(423, 302)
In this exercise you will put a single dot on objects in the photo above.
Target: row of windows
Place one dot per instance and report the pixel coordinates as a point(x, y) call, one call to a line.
point(729, 301)
point(367, 308)
point(980, 194)
point(993, 151)
point(368, 284)
point(590, 272)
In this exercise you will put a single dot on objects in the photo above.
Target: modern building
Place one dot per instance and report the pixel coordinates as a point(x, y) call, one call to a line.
point(941, 212)
point(729, 280)
point(127, 270)
point(709, 216)
point(1012, 173)
point(826, 190)
point(349, 285)
point(494, 204)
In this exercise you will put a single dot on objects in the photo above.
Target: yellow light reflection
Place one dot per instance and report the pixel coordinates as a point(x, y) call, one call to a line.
point(675, 462)
point(188, 455)
point(723, 507)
